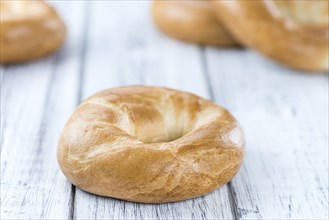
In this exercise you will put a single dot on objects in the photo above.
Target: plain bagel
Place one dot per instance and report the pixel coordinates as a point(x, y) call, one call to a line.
point(294, 33)
point(192, 21)
point(29, 29)
point(150, 144)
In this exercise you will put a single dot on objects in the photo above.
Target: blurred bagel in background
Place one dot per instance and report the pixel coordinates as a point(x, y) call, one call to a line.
point(192, 21)
point(294, 33)
point(29, 29)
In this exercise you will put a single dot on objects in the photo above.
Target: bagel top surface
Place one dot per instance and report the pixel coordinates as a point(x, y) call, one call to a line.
point(294, 33)
point(21, 10)
point(192, 21)
point(149, 144)
point(302, 12)
point(29, 29)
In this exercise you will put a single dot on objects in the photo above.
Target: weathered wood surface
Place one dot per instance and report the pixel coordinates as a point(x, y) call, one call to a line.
point(111, 43)
point(285, 116)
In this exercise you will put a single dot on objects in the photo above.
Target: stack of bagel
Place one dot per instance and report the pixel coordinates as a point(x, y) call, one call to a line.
point(294, 33)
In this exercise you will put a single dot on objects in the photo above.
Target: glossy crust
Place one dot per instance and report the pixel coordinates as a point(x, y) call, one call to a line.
point(294, 33)
point(29, 29)
point(192, 21)
point(150, 144)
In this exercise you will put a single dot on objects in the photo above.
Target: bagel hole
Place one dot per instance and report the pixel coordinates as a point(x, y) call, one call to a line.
point(162, 123)
point(166, 132)
point(178, 127)
point(160, 140)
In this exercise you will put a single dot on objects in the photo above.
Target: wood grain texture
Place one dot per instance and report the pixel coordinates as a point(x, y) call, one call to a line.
point(285, 117)
point(113, 43)
point(36, 100)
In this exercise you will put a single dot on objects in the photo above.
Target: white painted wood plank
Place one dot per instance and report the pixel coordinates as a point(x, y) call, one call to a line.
point(284, 114)
point(127, 49)
point(36, 100)
point(285, 118)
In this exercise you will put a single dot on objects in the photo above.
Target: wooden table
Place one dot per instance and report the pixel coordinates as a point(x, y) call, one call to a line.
point(284, 114)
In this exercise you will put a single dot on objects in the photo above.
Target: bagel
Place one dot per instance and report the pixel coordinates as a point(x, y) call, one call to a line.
point(294, 33)
point(150, 145)
point(29, 30)
point(191, 21)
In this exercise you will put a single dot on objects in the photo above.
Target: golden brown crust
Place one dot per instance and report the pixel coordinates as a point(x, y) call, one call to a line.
point(29, 30)
point(192, 21)
point(294, 33)
point(150, 144)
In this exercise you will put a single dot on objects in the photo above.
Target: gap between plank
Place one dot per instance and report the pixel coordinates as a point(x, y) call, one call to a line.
point(84, 46)
point(42, 127)
point(72, 202)
point(2, 109)
point(212, 97)
point(43, 124)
